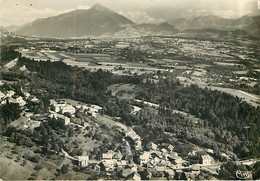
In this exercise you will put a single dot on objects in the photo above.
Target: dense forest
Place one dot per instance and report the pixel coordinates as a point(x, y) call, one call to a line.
point(219, 111)
point(50, 80)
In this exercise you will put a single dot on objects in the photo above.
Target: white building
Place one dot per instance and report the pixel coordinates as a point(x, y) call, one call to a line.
point(69, 109)
point(20, 101)
point(62, 107)
point(35, 99)
point(144, 158)
point(108, 165)
point(206, 159)
point(10, 93)
point(26, 94)
point(83, 160)
point(108, 156)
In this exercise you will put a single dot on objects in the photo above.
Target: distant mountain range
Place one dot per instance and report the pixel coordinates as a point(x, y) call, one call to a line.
point(100, 20)
point(12, 28)
point(166, 27)
point(250, 24)
point(95, 21)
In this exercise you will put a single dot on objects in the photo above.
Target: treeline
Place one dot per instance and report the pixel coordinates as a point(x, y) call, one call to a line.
point(7, 54)
point(50, 80)
point(219, 111)
point(12, 76)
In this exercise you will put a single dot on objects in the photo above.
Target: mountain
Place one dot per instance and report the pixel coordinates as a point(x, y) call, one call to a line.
point(253, 28)
point(95, 21)
point(12, 28)
point(207, 22)
point(163, 27)
point(250, 24)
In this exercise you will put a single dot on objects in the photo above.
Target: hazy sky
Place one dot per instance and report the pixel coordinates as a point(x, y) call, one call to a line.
point(19, 12)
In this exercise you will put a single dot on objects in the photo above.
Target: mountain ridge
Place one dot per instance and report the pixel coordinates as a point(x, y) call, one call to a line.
point(247, 23)
point(94, 21)
point(99, 20)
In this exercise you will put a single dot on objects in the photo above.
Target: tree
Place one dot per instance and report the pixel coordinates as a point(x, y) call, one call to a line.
point(65, 169)
point(256, 171)
point(38, 167)
point(9, 112)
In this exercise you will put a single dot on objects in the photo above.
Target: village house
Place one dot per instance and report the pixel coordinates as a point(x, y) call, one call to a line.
point(144, 158)
point(10, 100)
point(121, 163)
point(68, 109)
point(206, 159)
point(107, 165)
point(108, 156)
point(225, 156)
point(155, 161)
point(118, 155)
point(151, 146)
point(20, 101)
point(170, 148)
point(209, 151)
point(135, 139)
point(62, 107)
point(176, 160)
point(96, 167)
point(28, 114)
point(133, 176)
point(9, 93)
point(126, 172)
point(82, 160)
point(33, 99)
point(160, 168)
point(26, 94)
point(169, 173)
point(90, 110)
point(55, 115)
point(164, 150)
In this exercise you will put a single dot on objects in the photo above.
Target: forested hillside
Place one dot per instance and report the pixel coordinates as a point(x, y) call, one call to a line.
point(229, 121)
point(219, 111)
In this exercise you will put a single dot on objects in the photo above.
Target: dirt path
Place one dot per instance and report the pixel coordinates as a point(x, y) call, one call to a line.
point(11, 64)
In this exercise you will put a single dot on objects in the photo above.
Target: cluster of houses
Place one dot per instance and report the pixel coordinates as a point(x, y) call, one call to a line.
point(91, 110)
point(59, 109)
point(62, 107)
point(155, 162)
point(16, 99)
point(134, 162)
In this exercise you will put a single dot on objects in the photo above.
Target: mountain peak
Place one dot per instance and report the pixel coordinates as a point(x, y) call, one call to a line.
point(95, 21)
point(98, 7)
